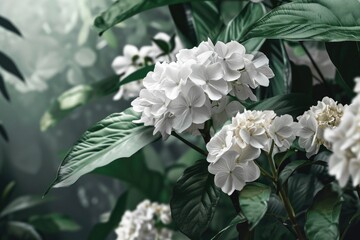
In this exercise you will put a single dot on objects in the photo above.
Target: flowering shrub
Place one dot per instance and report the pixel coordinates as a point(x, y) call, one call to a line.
point(266, 136)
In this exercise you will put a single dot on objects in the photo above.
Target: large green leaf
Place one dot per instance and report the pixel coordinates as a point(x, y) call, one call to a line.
point(280, 64)
point(238, 26)
point(322, 20)
point(112, 138)
point(121, 10)
point(19, 230)
point(194, 200)
point(21, 203)
point(80, 95)
point(253, 200)
point(346, 58)
point(300, 191)
point(133, 170)
point(272, 228)
point(54, 223)
point(234, 222)
point(323, 216)
point(3, 89)
point(207, 20)
point(293, 104)
point(5, 23)
point(7, 64)
point(102, 230)
point(75, 97)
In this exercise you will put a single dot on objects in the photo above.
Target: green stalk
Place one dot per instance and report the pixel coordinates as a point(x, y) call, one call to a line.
point(196, 148)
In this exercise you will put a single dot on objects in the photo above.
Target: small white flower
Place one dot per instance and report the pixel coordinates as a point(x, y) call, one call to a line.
point(189, 107)
point(223, 110)
point(176, 76)
point(231, 173)
point(219, 144)
point(282, 131)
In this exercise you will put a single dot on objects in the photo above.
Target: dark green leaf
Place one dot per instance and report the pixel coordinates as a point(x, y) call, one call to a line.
point(301, 189)
point(3, 132)
point(20, 230)
point(137, 75)
point(272, 228)
point(295, 165)
point(8, 64)
point(54, 223)
point(280, 64)
point(112, 138)
point(21, 203)
point(102, 230)
point(5, 23)
point(234, 222)
point(302, 79)
point(293, 104)
point(164, 46)
point(253, 200)
point(194, 200)
point(207, 20)
point(237, 27)
point(6, 193)
point(75, 97)
point(346, 57)
point(321, 20)
point(133, 170)
point(323, 216)
point(121, 10)
point(3, 88)
point(281, 157)
point(184, 22)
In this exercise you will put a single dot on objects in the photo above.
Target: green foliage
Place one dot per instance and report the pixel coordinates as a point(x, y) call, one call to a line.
point(8, 65)
point(234, 222)
point(238, 26)
point(53, 223)
point(103, 229)
point(300, 191)
point(8, 25)
point(21, 203)
point(102, 144)
point(19, 230)
point(3, 132)
point(253, 200)
point(323, 216)
point(133, 170)
point(122, 10)
point(3, 88)
point(293, 104)
point(194, 200)
point(320, 20)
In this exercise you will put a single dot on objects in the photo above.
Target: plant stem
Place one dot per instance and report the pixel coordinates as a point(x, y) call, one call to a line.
point(196, 148)
point(242, 228)
point(283, 196)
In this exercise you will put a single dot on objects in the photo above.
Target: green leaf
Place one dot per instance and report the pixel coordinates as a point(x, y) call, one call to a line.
point(110, 38)
point(3, 89)
point(253, 200)
point(272, 228)
point(21, 203)
point(194, 200)
point(6, 193)
point(137, 75)
point(234, 222)
point(281, 157)
point(346, 57)
point(184, 22)
point(207, 21)
point(293, 104)
point(301, 188)
point(5, 23)
point(237, 27)
point(54, 223)
point(102, 230)
point(7, 64)
point(163, 45)
point(121, 10)
point(19, 230)
point(320, 20)
point(302, 79)
point(280, 64)
point(75, 97)
point(3, 132)
point(133, 170)
point(295, 165)
point(112, 138)
point(323, 216)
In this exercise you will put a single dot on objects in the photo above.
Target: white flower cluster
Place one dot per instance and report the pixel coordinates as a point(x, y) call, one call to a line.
point(181, 95)
point(345, 141)
point(142, 223)
point(312, 124)
point(134, 59)
point(234, 148)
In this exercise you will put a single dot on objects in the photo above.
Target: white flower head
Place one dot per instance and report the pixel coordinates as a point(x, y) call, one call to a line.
point(232, 173)
point(282, 131)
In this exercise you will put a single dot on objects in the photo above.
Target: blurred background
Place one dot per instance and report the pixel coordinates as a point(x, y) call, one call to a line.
point(58, 51)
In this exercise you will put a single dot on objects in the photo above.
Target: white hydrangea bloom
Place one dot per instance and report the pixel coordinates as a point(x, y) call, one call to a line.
point(345, 143)
point(312, 124)
point(201, 78)
point(234, 148)
point(134, 58)
point(140, 224)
